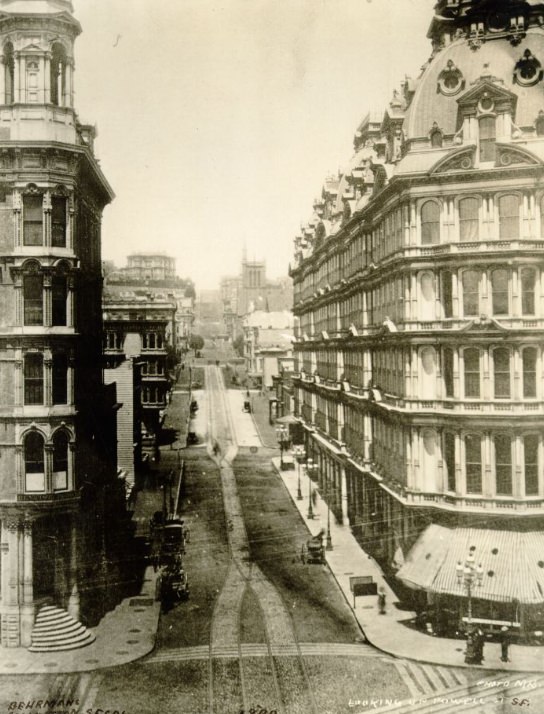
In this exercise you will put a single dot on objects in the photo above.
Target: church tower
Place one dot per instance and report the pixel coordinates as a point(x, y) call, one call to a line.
point(52, 194)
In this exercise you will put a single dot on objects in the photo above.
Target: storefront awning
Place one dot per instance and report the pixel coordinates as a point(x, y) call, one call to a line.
point(512, 563)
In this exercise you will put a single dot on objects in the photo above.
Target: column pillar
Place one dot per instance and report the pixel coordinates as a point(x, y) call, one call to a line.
point(47, 300)
point(17, 77)
point(10, 623)
point(2, 80)
point(344, 496)
point(27, 610)
point(73, 600)
point(47, 78)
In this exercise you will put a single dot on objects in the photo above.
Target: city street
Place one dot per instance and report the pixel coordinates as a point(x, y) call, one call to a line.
point(261, 630)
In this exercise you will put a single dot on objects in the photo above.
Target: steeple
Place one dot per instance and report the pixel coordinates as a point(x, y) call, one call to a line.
point(483, 20)
point(36, 7)
point(37, 69)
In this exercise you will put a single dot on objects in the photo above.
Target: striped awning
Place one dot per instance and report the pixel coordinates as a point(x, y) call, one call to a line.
point(512, 563)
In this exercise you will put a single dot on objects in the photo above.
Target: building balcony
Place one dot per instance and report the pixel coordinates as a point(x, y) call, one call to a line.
point(465, 406)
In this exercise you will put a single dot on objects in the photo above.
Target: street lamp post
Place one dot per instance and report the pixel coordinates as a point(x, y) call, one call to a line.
point(300, 455)
point(282, 435)
point(328, 545)
point(311, 468)
point(470, 576)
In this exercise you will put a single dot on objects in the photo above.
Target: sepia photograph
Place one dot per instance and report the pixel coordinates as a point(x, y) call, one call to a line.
point(271, 356)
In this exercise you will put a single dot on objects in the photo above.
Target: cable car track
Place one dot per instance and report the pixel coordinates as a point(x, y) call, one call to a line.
point(278, 623)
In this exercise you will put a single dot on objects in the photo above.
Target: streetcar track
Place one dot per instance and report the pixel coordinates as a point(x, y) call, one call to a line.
point(262, 588)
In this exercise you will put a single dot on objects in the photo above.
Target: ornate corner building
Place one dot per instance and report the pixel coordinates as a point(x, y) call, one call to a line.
point(419, 296)
point(55, 456)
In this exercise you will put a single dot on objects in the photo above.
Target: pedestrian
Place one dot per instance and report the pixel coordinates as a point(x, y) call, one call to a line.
point(479, 645)
point(505, 643)
point(381, 601)
point(314, 497)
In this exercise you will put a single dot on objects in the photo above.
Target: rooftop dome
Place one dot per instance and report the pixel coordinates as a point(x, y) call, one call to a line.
point(36, 7)
point(497, 59)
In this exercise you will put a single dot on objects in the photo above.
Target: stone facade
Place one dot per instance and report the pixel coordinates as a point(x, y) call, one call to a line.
point(420, 304)
point(52, 194)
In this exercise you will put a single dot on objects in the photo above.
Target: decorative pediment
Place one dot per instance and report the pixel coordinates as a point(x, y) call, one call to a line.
point(484, 324)
point(487, 96)
point(461, 159)
point(508, 155)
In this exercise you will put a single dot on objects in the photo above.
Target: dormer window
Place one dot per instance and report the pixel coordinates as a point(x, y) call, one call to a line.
point(436, 137)
point(528, 70)
point(450, 80)
point(488, 136)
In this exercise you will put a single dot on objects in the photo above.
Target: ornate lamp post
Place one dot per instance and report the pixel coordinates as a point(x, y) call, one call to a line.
point(470, 576)
point(311, 469)
point(300, 455)
point(282, 434)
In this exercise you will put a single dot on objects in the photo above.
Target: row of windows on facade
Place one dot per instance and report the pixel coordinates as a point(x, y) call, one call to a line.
point(387, 451)
point(33, 220)
point(390, 236)
point(388, 300)
point(502, 465)
point(30, 69)
point(388, 370)
point(153, 396)
point(36, 465)
point(33, 300)
point(34, 379)
point(115, 339)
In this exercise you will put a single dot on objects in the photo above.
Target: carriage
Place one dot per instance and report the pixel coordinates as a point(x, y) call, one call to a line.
point(172, 584)
point(313, 551)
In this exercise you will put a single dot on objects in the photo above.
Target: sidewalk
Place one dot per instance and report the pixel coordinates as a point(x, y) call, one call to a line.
point(128, 632)
point(388, 632)
point(123, 635)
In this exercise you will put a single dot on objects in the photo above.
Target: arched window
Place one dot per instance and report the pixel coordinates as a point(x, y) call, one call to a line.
point(473, 463)
point(471, 293)
point(9, 73)
point(469, 228)
point(58, 74)
point(530, 449)
point(508, 217)
point(447, 371)
point(33, 299)
point(428, 297)
point(501, 372)
point(33, 219)
point(503, 464)
point(430, 223)
point(60, 378)
point(447, 293)
point(60, 461)
point(34, 460)
point(59, 295)
point(449, 459)
point(471, 359)
point(58, 221)
point(528, 358)
point(528, 281)
point(499, 291)
point(428, 376)
point(33, 378)
point(488, 135)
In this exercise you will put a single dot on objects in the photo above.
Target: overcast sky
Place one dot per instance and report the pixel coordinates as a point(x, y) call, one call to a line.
point(219, 119)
